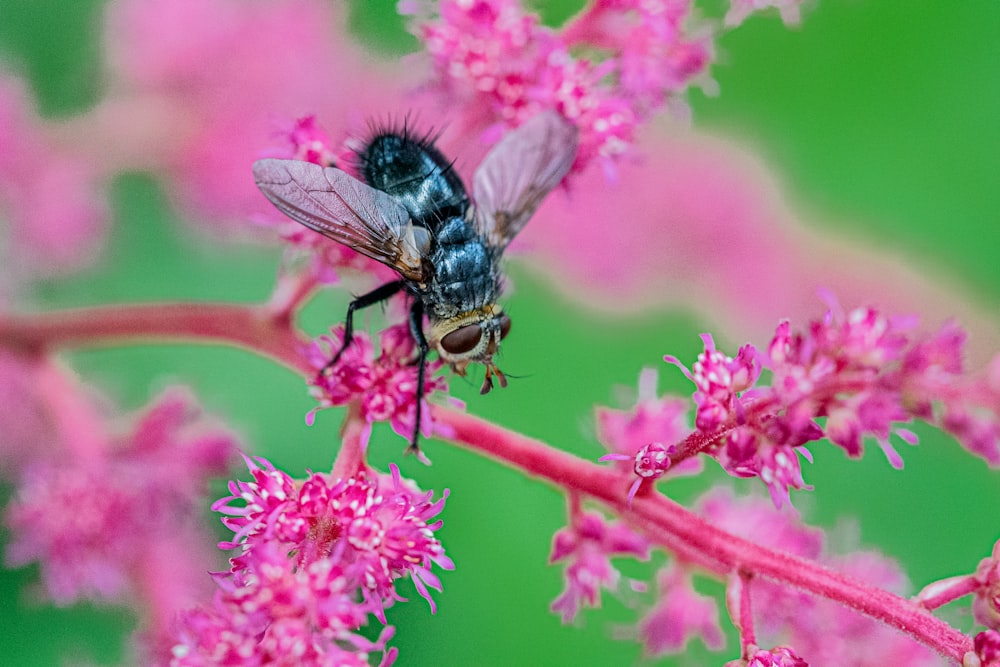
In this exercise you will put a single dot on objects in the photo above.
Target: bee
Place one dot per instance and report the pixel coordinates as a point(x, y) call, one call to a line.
point(412, 213)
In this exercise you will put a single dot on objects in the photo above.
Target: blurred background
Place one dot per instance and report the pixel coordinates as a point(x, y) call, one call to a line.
point(875, 125)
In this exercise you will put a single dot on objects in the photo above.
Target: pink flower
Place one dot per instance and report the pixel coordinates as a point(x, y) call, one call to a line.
point(91, 520)
point(653, 418)
point(587, 545)
point(636, 436)
point(29, 429)
point(303, 139)
point(986, 606)
point(679, 615)
point(502, 65)
point(987, 647)
point(383, 527)
point(781, 656)
point(267, 61)
point(275, 612)
point(48, 196)
point(719, 380)
point(649, 463)
point(864, 372)
point(384, 387)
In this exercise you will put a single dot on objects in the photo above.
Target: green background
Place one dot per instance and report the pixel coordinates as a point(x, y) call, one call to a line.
point(883, 116)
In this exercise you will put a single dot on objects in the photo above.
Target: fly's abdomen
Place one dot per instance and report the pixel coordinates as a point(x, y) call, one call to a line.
point(413, 171)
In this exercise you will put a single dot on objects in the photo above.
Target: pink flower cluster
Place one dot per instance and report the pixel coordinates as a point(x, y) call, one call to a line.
point(504, 66)
point(863, 372)
point(315, 559)
point(587, 546)
point(49, 197)
point(679, 615)
point(93, 520)
point(781, 656)
point(987, 648)
point(383, 387)
point(277, 613)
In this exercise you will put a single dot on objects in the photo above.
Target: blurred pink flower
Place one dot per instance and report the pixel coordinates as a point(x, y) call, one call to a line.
point(276, 612)
point(700, 222)
point(987, 647)
point(587, 546)
point(99, 521)
point(781, 656)
point(679, 615)
point(496, 63)
point(49, 197)
point(653, 418)
point(753, 518)
point(29, 430)
point(270, 61)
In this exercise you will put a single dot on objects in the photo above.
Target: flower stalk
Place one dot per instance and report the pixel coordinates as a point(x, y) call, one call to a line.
point(662, 520)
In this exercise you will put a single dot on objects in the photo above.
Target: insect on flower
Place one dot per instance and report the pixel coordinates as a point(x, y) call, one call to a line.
point(412, 213)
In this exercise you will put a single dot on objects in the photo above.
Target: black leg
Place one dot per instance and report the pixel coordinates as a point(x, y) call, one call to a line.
point(417, 331)
point(377, 295)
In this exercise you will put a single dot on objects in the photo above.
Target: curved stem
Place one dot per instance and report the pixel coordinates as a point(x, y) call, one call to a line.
point(251, 327)
point(744, 613)
point(353, 442)
point(683, 525)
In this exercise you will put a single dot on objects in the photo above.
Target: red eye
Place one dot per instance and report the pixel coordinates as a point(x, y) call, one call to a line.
point(463, 339)
point(504, 325)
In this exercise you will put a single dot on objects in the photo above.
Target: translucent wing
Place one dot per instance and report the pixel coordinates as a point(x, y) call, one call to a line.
point(517, 174)
point(344, 209)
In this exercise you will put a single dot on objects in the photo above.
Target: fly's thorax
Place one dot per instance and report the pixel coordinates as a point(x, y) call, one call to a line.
point(466, 276)
point(472, 336)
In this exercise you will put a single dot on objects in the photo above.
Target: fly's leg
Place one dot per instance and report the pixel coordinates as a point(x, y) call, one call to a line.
point(377, 295)
point(417, 331)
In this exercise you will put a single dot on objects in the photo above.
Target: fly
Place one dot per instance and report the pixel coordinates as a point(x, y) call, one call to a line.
point(412, 213)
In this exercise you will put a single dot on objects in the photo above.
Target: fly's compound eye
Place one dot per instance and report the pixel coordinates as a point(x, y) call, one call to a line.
point(504, 325)
point(462, 340)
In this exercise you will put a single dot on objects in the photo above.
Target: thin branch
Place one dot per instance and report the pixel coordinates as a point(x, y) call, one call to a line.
point(607, 485)
point(253, 328)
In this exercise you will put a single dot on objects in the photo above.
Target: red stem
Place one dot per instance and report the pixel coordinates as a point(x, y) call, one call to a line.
point(686, 527)
point(353, 441)
point(942, 592)
point(748, 635)
point(253, 328)
point(670, 524)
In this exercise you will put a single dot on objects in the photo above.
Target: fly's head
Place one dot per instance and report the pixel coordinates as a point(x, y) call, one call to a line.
point(473, 337)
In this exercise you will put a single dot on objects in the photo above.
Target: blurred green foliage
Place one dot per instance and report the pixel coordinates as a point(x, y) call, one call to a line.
point(878, 117)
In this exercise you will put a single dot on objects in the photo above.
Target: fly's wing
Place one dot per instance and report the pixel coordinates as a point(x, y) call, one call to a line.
point(343, 208)
point(516, 175)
